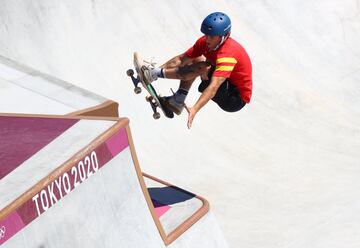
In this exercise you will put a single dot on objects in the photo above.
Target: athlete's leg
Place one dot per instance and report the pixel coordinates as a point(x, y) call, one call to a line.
point(187, 74)
point(185, 69)
point(179, 67)
point(180, 60)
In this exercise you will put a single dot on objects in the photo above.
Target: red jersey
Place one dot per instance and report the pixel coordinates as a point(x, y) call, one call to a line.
point(230, 61)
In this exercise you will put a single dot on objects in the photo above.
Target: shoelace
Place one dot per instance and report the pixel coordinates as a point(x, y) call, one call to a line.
point(150, 64)
point(147, 67)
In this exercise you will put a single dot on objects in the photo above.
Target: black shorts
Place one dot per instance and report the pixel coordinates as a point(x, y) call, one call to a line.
point(227, 97)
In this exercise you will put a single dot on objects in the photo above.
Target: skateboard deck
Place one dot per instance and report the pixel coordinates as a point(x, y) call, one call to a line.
point(153, 98)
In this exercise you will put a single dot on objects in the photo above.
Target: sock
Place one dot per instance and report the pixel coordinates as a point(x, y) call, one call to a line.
point(158, 72)
point(180, 95)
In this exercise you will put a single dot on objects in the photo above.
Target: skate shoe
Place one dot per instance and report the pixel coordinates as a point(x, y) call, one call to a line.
point(172, 103)
point(147, 72)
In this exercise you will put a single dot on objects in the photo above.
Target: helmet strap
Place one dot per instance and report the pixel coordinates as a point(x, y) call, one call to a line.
point(223, 39)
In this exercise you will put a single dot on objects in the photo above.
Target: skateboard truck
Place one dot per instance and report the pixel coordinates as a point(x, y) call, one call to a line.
point(154, 105)
point(135, 81)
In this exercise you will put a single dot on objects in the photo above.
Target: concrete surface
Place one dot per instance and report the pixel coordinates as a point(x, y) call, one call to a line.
point(281, 173)
point(26, 90)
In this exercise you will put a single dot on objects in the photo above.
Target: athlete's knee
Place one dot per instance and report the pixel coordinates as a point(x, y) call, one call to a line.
point(185, 72)
point(201, 58)
point(202, 69)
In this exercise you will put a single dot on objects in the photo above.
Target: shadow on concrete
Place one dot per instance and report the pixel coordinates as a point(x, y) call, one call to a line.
point(163, 196)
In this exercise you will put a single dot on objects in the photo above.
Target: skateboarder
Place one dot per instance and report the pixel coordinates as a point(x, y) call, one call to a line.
point(221, 62)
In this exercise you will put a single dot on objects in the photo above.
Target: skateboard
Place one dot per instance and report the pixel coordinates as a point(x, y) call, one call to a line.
point(153, 99)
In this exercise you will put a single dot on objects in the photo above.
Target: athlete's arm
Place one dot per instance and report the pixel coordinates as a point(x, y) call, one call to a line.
point(208, 94)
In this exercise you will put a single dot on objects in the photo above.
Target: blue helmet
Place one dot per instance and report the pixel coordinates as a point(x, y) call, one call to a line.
point(216, 23)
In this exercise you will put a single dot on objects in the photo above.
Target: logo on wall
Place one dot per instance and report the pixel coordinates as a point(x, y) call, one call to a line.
point(2, 232)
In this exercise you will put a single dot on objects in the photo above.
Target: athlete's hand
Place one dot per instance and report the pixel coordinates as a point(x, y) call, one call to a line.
point(192, 112)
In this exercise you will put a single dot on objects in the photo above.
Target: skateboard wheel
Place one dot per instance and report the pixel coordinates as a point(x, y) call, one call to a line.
point(130, 72)
point(156, 115)
point(137, 90)
point(148, 98)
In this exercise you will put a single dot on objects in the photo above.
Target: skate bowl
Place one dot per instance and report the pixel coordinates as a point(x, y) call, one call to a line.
point(283, 172)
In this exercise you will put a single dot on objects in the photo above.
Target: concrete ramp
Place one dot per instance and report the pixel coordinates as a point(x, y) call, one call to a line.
point(76, 182)
point(26, 90)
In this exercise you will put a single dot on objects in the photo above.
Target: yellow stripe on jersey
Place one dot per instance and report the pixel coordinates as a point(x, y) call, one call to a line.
point(226, 60)
point(224, 68)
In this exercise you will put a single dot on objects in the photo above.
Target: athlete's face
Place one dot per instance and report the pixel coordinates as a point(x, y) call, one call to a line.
point(212, 41)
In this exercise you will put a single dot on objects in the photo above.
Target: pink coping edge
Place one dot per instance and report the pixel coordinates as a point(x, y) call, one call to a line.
point(161, 210)
point(117, 142)
point(10, 226)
